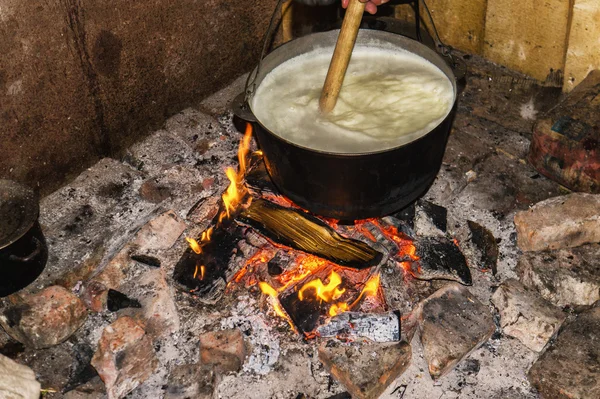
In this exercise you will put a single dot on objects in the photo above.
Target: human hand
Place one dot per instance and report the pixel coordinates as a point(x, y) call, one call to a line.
point(370, 7)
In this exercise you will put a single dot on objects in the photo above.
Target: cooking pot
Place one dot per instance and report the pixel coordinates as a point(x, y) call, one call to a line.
point(23, 250)
point(352, 186)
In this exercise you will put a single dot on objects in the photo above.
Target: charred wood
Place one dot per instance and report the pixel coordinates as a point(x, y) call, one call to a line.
point(206, 274)
point(377, 327)
point(439, 259)
point(299, 230)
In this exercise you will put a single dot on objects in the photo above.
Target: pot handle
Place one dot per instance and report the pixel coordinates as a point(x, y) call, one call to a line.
point(31, 256)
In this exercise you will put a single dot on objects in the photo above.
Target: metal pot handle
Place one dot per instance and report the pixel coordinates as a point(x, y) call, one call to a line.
point(31, 256)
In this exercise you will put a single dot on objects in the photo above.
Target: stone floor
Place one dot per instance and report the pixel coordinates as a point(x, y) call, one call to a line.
point(484, 178)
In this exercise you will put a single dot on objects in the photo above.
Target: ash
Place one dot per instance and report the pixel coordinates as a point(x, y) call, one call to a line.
point(180, 167)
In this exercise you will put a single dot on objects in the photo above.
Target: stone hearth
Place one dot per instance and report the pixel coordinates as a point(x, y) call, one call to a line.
point(107, 319)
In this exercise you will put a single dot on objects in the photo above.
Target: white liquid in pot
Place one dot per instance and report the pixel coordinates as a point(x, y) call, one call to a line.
point(388, 98)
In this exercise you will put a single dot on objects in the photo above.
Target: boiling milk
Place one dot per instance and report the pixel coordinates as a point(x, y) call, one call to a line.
point(388, 98)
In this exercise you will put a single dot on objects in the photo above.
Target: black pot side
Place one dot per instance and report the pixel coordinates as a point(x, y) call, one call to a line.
point(23, 261)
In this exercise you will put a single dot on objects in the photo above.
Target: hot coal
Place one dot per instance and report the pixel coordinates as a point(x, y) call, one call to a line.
point(440, 259)
point(216, 258)
point(302, 231)
point(146, 260)
point(486, 244)
point(116, 300)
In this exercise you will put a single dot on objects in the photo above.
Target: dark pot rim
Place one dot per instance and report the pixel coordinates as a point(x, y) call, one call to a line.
point(386, 37)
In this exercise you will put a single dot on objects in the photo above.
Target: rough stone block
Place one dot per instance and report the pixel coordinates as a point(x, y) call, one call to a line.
point(559, 222)
point(569, 368)
point(365, 370)
point(17, 381)
point(528, 36)
point(565, 140)
point(224, 349)
point(568, 277)
point(583, 52)
point(125, 357)
point(158, 303)
point(191, 381)
point(44, 319)
point(453, 323)
point(460, 24)
point(525, 316)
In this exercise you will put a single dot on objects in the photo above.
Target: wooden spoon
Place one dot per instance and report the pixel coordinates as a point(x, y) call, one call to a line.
point(341, 56)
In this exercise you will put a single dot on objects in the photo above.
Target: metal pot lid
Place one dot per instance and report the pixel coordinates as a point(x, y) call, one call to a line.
point(19, 210)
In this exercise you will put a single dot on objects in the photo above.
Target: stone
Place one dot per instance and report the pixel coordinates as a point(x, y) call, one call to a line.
point(570, 367)
point(527, 36)
point(439, 259)
point(583, 51)
point(567, 277)
point(453, 323)
point(125, 357)
point(564, 146)
point(160, 233)
point(154, 193)
point(95, 295)
point(191, 381)
point(526, 316)
point(158, 305)
point(44, 319)
point(223, 349)
point(559, 222)
point(17, 381)
point(365, 370)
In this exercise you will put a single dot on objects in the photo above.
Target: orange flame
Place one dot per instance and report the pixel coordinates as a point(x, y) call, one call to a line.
point(235, 194)
point(194, 245)
point(327, 292)
point(237, 191)
point(272, 293)
point(370, 289)
point(338, 308)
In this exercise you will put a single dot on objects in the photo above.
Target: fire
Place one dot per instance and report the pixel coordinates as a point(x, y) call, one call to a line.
point(237, 191)
point(370, 289)
point(272, 293)
point(194, 245)
point(323, 292)
point(234, 196)
point(338, 308)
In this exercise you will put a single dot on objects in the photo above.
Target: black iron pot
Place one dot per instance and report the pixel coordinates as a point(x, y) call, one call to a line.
point(23, 250)
point(353, 186)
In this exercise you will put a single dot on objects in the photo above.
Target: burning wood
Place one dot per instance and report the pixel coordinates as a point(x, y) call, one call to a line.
point(377, 327)
point(297, 229)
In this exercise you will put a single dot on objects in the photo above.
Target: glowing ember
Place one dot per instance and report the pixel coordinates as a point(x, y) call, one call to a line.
point(323, 292)
point(272, 293)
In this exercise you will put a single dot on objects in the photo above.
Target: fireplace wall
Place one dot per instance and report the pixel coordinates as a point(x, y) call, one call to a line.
point(80, 79)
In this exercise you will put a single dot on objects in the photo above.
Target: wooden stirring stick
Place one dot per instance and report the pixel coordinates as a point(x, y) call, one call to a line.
point(341, 56)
